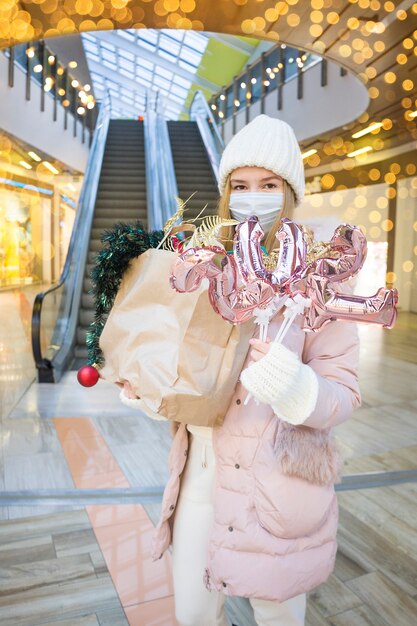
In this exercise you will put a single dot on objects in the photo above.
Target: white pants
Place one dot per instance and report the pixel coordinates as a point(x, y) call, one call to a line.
point(194, 604)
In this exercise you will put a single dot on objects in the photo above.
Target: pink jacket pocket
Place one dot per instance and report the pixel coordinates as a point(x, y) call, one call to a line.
point(290, 507)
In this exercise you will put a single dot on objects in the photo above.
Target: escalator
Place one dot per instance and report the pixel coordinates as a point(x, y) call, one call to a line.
point(130, 176)
point(121, 197)
point(192, 168)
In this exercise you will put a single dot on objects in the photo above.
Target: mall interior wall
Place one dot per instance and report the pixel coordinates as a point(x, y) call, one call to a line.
point(25, 120)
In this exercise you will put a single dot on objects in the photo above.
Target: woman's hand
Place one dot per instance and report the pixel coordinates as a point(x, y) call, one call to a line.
point(128, 391)
point(259, 349)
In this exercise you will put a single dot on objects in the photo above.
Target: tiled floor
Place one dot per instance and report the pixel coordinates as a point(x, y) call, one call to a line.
point(92, 566)
point(123, 532)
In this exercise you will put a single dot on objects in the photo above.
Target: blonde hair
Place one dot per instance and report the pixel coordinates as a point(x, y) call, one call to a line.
point(288, 207)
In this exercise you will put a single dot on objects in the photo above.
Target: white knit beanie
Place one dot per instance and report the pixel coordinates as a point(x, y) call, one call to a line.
point(265, 142)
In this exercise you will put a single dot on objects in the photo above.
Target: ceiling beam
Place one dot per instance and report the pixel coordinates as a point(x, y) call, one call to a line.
point(116, 77)
point(152, 57)
point(232, 42)
point(124, 106)
point(127, 83)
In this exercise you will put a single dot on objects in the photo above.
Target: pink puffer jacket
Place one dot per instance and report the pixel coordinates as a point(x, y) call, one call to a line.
point(274, 534)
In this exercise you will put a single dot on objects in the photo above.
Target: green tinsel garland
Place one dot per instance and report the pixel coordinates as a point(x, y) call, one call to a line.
point(122, 243)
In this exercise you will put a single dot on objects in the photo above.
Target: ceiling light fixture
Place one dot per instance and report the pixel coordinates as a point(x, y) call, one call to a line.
point(34, 156)
point(309, 153)
point(50, 167)
point(367, 130)
point(360, 151)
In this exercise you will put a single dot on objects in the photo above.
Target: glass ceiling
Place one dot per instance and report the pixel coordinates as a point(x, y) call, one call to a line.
point(130, 62)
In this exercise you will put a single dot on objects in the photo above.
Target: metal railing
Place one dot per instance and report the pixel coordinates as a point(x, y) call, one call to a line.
point(161, 183)
point(148, 495)
point(41, 66)
point(200, 112)
point(269, 73)
point(55, 311)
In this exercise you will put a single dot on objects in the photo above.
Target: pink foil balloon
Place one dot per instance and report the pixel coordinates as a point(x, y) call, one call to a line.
point(350, 243)
point(248, 253)
point(235, 304)
point(240, 283)
point(327, 305)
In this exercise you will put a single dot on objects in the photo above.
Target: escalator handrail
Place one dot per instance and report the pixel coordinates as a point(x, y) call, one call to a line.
point(200, 112)
point(79, 236)
point(161, 182)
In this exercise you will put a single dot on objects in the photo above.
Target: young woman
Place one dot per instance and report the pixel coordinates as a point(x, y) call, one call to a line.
point(250, 506)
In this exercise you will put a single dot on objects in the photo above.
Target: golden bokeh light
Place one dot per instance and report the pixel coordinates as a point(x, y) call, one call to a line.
point(316, 200)
point(408, 266)
point(370, 72)
point(401, 58)
point(373, 92)
point(332, 17)
point(315, 30)
point(327, 181)
point(375, 232)
point(360, 202)
point(382, 202)
point(390, 178)
point(401, 15)
point(374, 174)
point(353, 23)
point(408, 84)
point(345, 51)
point(375, 217)
point(293, 20)
point(316, 17)
point(387, 225)
point(336, 199)
point(390, 77)
point(313, 160)
point(271, 15)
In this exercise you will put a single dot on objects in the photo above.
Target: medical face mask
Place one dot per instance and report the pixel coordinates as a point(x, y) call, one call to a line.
point(265, 205)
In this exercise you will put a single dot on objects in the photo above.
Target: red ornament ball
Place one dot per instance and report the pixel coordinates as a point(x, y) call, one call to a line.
point(88, 376)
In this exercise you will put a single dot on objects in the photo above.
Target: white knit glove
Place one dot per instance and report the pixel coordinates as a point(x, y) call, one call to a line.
point(283, 381)
point(134, 403)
